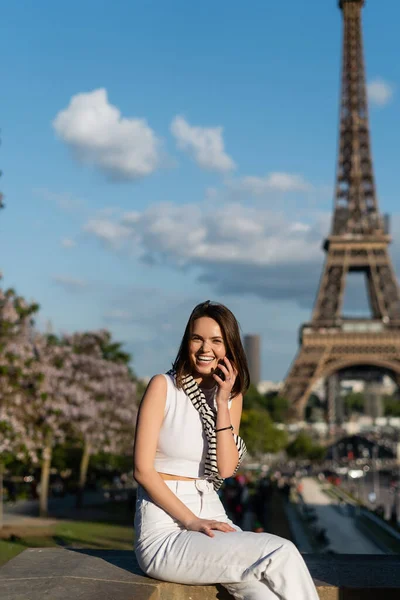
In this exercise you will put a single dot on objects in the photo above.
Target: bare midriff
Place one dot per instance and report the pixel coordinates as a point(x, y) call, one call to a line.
point(168, 477)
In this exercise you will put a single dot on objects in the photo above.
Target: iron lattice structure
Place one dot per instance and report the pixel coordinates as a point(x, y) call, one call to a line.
point(358, 242)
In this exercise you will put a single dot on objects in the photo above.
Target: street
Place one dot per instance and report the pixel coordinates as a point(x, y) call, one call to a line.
point(343, 535)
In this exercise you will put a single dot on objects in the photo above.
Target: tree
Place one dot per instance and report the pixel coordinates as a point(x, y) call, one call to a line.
point(354, 402)
point(108, 405)
point(16, 358)
point(303, 446)
point(253, 398)
point(260, 434)
point(54, 398)
point(392, 406)
point(79, 391)
point(277, 407)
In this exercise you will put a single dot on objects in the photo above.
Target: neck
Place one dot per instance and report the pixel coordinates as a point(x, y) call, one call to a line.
point(204, 382)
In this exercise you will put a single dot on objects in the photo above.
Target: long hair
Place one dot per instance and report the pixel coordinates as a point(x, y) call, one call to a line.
point(233, 344)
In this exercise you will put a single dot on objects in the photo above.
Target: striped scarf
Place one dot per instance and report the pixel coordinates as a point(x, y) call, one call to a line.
point(208, 419)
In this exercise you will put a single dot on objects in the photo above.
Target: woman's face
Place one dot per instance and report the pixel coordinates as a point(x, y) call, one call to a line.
point(206, 346)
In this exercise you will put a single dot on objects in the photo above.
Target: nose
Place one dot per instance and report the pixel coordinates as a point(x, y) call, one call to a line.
point(205, 345)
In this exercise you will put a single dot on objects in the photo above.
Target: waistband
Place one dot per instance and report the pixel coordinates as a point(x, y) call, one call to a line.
point(196, 486)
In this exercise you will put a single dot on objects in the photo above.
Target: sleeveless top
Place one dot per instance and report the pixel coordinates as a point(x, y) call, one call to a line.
point(182, 444)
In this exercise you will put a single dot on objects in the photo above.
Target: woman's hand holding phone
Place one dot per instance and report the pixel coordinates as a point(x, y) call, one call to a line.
point(225, 376)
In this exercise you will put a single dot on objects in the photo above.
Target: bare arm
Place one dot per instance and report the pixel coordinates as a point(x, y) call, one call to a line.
point(227, 452)
point(150, 418)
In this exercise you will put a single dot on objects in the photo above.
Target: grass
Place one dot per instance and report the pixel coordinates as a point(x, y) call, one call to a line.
point(74, 534)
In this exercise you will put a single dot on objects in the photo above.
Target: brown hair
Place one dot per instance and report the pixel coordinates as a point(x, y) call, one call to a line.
point(233, 343)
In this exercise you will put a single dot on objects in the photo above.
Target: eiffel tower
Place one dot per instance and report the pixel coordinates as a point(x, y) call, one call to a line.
point(358, 242)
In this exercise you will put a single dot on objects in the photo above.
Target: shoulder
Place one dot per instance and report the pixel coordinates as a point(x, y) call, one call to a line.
point(156, 389)
point(154, 398)
point(160, 379)
point(236, 402)
point(238, 399)
point(158, 383)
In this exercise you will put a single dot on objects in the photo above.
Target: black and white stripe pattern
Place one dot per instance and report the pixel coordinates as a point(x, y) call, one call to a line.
point(208, 418)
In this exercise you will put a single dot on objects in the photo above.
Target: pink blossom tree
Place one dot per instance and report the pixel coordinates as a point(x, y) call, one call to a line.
point(16, 360)
point(50, 386)
point(107, 406)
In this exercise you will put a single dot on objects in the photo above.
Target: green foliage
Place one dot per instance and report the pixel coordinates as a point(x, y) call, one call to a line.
point(392, 406)
point(303, 446)
point(141, 388)
point(277, 407)
point(259, 432)
point(107, 462)
point(67, 456)
point(253, 398)
point(113, 352)
point(354, 402)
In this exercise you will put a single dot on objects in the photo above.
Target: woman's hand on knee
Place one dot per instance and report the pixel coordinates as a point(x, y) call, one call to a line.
point(207, 526)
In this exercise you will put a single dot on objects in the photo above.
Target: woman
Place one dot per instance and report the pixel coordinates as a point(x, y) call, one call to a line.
point(186, 442)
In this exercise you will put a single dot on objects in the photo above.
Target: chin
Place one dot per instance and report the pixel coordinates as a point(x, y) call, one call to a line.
point(203, 369)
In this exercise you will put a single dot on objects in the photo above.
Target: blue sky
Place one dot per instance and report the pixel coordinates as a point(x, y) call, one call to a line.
point(157, 154)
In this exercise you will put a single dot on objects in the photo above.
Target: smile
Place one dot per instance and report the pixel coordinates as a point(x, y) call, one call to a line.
point(205, 359)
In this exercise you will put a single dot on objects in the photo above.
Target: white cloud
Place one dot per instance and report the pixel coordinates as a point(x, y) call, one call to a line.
point(273, 182)
point(237, 248)
point(380, 92)
point(108, 231)
point(71, 284)
point(204, 144)
point(121, 147)
point(68, 243)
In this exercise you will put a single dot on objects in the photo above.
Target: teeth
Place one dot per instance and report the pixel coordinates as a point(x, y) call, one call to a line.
point(205, 359)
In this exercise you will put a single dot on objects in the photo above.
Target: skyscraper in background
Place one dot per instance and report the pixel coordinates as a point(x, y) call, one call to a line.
point(252, 348)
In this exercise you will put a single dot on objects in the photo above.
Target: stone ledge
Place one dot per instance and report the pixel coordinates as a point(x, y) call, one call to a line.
point(62, 574)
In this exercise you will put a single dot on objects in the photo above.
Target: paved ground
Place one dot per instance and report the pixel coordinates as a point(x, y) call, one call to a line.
point(10, 520)
point(386, 496)
point(343, 535)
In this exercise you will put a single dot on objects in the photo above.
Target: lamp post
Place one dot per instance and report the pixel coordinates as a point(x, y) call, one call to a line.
point(375, 472)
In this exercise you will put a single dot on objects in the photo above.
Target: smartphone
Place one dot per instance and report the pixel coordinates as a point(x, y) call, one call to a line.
point(219, 372)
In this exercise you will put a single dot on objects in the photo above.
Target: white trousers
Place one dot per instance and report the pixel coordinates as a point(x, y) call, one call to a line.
point(251, 566)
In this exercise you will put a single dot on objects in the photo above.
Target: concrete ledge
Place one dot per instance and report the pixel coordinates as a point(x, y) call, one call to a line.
point(63, 574)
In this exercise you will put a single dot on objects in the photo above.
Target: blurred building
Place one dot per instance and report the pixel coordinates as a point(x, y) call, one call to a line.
point(252, 348)
point(266, 387)
point(374, 393)
point(359, 386)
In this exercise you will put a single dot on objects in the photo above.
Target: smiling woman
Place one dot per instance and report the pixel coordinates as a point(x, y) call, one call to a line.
point(187, 441)
point(211, 336)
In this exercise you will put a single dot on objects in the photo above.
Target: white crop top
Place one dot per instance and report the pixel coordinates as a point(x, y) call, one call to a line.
point(182, 445)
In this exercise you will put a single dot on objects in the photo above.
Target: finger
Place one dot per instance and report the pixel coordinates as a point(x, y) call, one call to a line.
point(232, 370)
point(207, 531)
point(221, 526)
point(223, 368)
point(225, 529)
point(229, 527)
point(217, 378)
point(228, 362)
